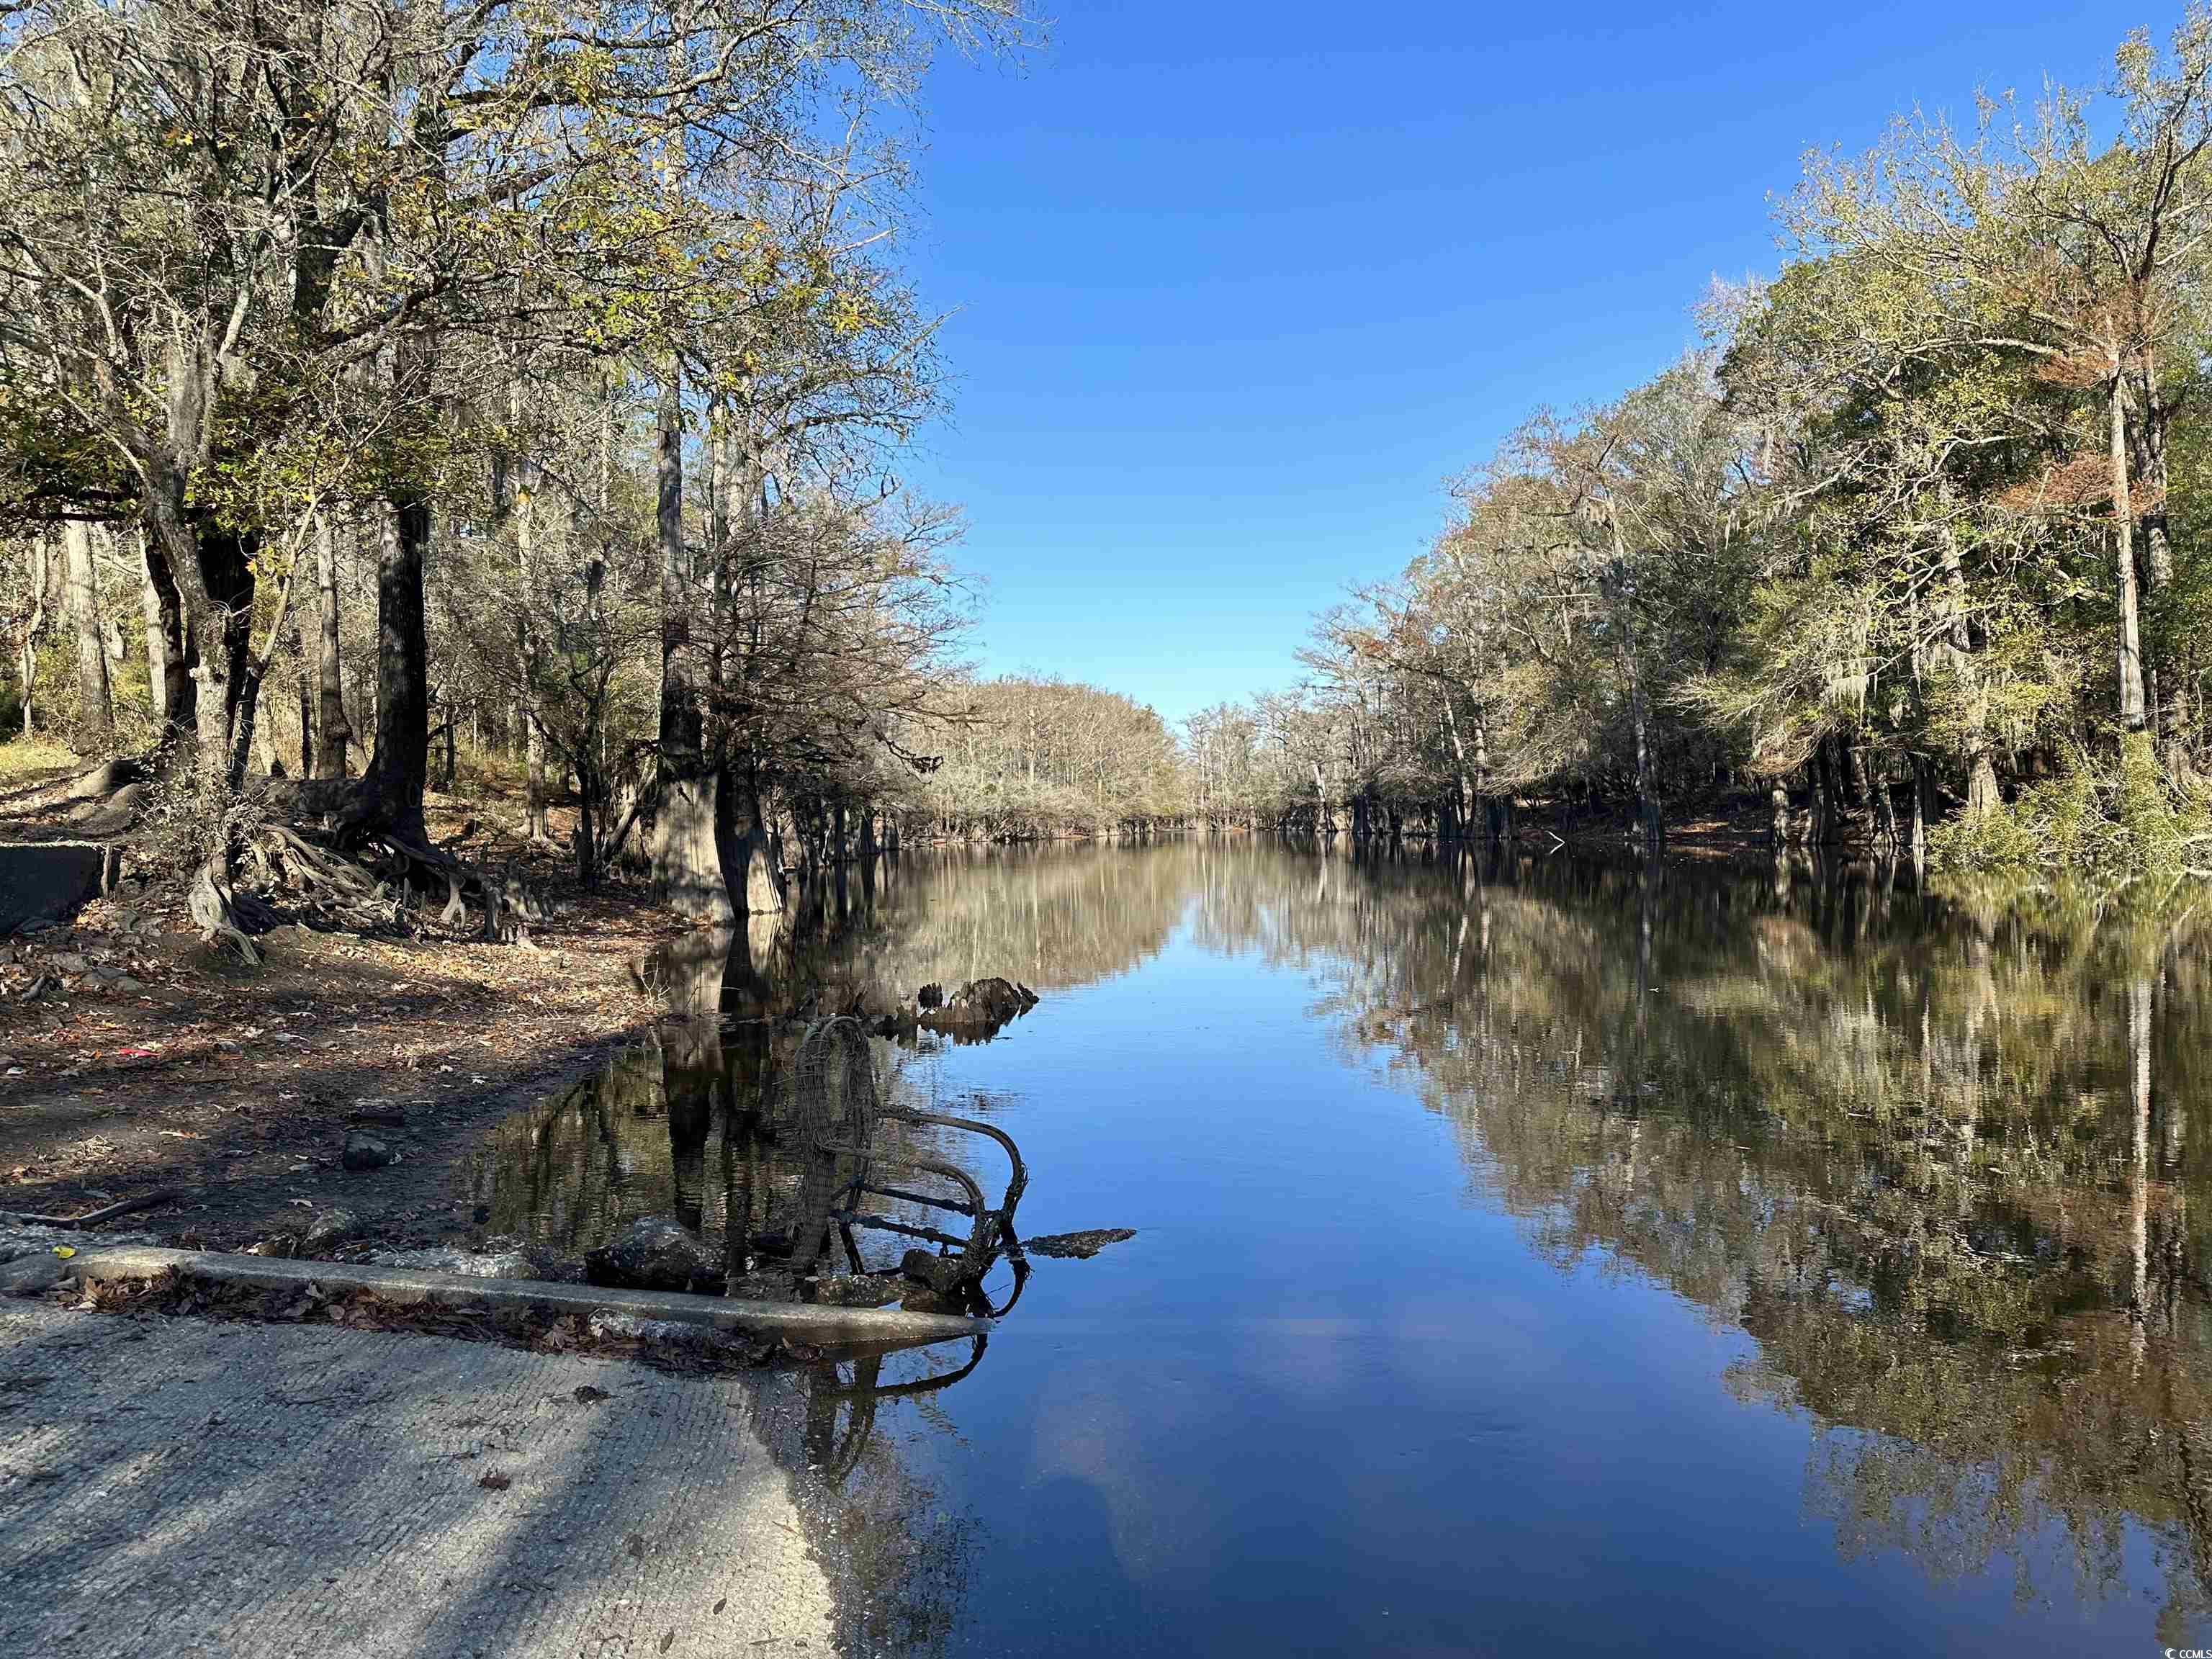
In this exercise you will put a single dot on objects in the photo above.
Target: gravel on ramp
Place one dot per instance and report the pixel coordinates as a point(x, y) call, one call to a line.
point(185, 1487)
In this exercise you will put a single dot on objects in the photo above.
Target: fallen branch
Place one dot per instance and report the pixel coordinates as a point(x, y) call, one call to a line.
point(159, 1196)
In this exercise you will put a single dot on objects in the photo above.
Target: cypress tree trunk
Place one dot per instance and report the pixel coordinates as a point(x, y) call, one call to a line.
point(1465, 780)
point(756, 885)
point(687, 865)
point(515, 489)
point(1886, 814)
point(1649, 811)
point(389, 796)
point(1861, 794)
point(1650, 825)
point(2166, 676)
point(1919, 815)
point(227, 556)
point(214, 577)
point(533, 735)
point(1982, 798)
point(210, 566)
point(264, 739)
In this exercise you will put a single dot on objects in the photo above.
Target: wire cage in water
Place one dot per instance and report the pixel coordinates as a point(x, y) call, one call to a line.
point(829, 1104)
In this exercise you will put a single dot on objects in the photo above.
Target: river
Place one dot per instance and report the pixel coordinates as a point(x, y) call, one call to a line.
point(1548, 1257)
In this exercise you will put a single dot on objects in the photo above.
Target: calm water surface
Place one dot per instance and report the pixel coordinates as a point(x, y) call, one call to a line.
point(1547, 1258)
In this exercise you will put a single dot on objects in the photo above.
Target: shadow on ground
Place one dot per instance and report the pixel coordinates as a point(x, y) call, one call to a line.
point(254, 1491)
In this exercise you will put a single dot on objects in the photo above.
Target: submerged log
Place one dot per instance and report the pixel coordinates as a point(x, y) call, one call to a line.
point(1080, 1246)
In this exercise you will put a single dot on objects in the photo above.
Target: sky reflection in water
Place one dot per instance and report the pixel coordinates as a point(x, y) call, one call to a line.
point(1553, 1259)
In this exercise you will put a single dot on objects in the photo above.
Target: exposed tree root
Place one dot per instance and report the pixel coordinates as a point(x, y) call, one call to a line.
point(329, 887)
point(383, 893)
point(507, 905)
point(351, 877)
point(216, 907)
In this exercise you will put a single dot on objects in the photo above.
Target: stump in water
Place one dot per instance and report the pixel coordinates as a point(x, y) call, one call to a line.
point(980, 1009)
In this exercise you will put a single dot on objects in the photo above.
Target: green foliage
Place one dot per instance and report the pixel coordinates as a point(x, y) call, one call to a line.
point(2095, 826)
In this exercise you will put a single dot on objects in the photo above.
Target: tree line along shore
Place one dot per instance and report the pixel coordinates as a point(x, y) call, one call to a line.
point(396, 400)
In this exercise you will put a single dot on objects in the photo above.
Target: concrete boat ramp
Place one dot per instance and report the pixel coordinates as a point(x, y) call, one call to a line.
point(178, 1486)
point(182, 1487)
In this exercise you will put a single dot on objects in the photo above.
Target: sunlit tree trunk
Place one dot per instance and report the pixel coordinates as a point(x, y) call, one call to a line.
point(1467, 790)
point(533, 732)
point(2124, 562)
point(2166, 679)
point(1982, 798)
point(1919, 816)
point(166, 686)
point(303, 685)
point(42, 564)
point(93, 731)
point(332, 730)
point(756, 886)
point(514, 487)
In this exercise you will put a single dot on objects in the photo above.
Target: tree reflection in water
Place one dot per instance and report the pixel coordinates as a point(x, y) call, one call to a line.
point(1937, 1164)
point(1936, 1160)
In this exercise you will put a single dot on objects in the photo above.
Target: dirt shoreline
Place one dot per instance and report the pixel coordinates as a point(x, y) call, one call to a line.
point(159, 1062)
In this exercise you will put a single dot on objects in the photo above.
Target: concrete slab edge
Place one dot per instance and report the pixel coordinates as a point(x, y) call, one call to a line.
point(801, 1321)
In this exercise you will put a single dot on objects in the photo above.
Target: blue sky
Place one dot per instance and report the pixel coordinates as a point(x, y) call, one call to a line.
point(1242, 282)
